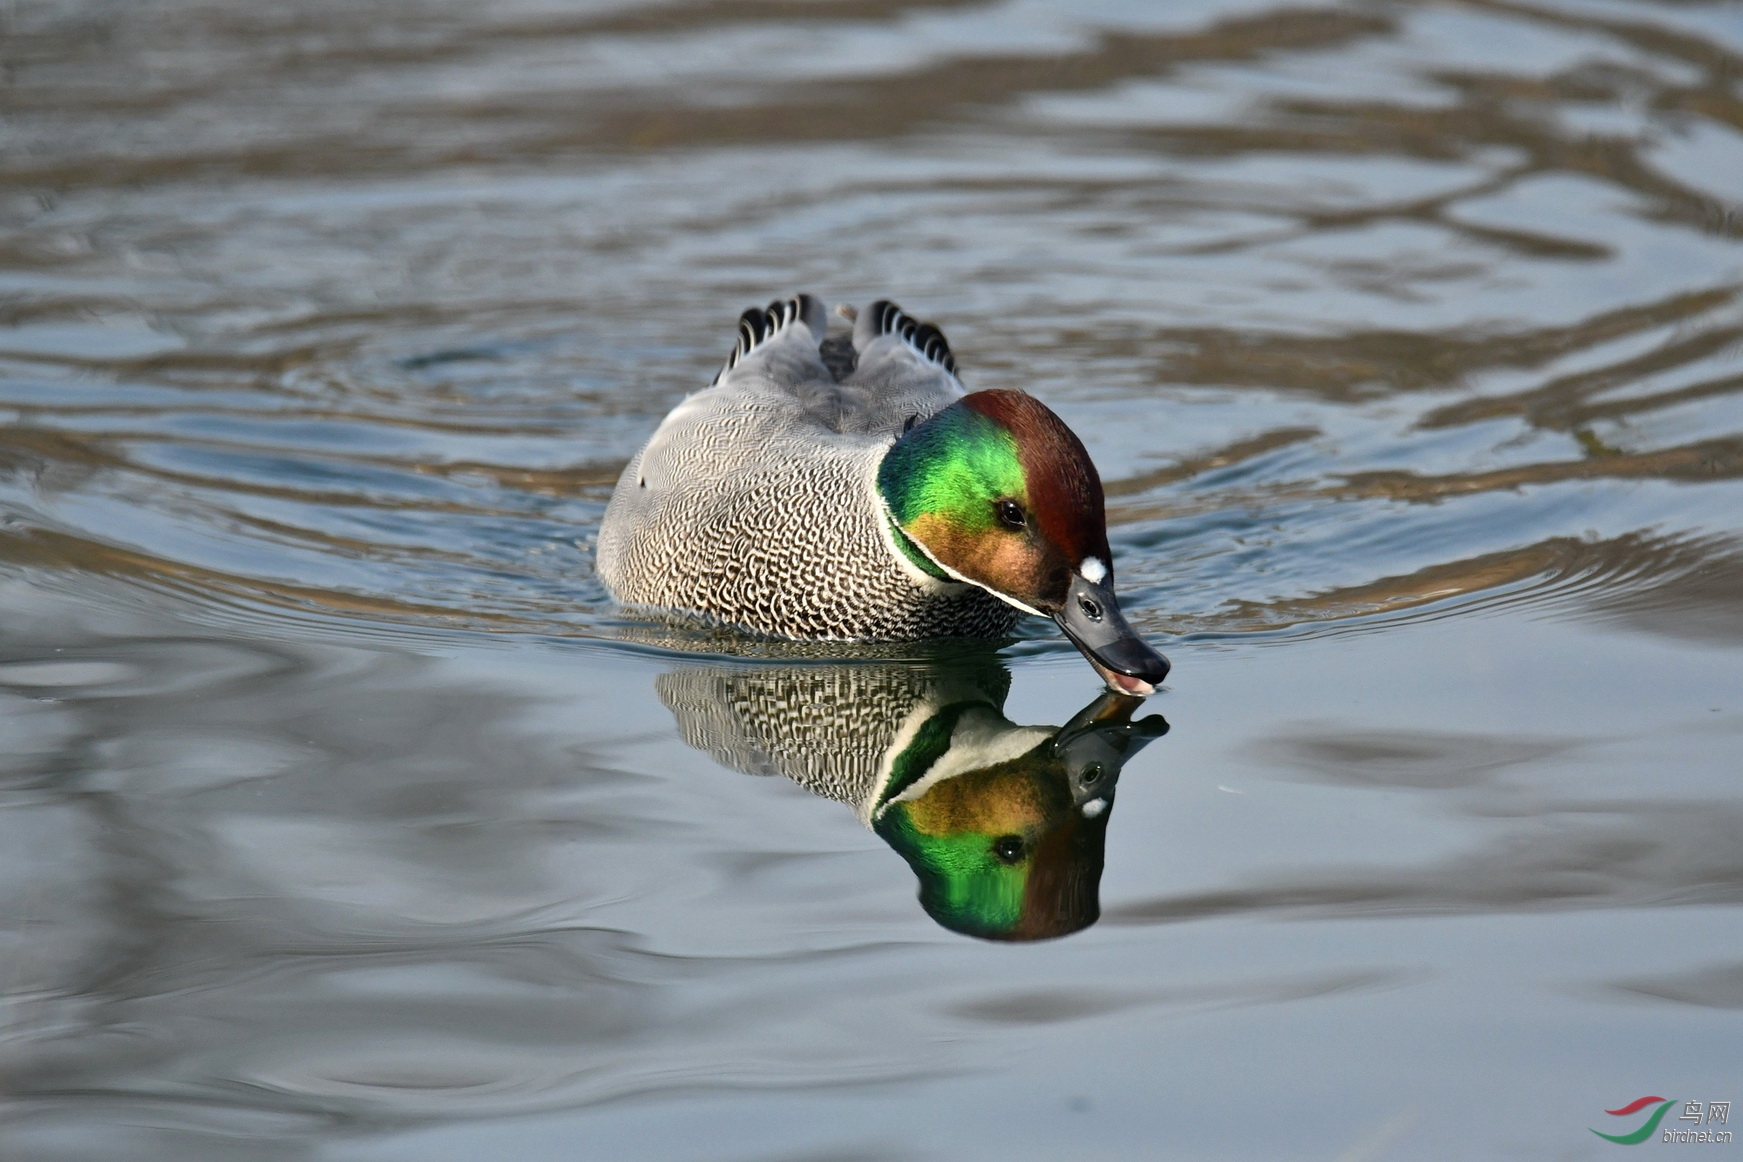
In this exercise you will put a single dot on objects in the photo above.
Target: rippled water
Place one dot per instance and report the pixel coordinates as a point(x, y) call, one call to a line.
point(343, 819)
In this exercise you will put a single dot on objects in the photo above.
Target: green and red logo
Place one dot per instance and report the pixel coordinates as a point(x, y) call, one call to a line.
point(1645, 1131)
point(1710, 1113)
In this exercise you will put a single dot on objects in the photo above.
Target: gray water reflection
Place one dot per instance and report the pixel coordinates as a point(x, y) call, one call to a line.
point(1685, 853)
point(1004, 825)
point(301, 891)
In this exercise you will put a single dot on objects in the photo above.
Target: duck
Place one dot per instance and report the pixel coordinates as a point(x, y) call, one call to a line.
point(848, 487)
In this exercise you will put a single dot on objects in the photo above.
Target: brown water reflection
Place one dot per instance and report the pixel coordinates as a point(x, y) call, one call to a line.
point(343, 817)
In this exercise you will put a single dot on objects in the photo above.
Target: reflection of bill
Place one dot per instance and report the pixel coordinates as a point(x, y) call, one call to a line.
point(1003, 824)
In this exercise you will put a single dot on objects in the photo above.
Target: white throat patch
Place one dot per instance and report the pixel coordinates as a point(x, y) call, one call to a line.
point(1093, 570)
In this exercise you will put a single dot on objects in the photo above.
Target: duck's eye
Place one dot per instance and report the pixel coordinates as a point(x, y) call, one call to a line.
point(1090, 774)
point(1090, 609)
point(1011, 514)
point(1009, 848)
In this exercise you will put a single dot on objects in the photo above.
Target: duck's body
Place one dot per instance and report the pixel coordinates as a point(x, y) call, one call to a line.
point(755, 504)
point(822, 488)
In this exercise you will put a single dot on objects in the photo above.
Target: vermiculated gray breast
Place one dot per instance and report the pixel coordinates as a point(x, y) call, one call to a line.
point(793, 545)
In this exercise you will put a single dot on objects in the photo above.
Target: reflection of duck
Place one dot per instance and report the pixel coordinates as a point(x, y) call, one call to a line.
point(1003, 824)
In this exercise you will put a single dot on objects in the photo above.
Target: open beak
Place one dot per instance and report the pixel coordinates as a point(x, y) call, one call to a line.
point(1091, 618)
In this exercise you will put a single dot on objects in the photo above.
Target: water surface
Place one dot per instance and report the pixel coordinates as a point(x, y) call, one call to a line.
point(345, 820)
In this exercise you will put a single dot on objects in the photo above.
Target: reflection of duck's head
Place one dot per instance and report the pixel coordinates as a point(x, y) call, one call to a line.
point(1002, 853)
point(1003, 824)
point(1013, 850)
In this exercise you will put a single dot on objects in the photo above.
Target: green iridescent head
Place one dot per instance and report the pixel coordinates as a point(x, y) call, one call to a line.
point(996, 491)
point(999, 492)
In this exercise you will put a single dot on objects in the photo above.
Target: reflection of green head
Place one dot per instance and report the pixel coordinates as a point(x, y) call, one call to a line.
point(1002, 853)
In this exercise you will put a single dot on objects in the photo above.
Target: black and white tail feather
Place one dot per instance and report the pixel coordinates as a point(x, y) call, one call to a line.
point(886, 318)
point(758, 325)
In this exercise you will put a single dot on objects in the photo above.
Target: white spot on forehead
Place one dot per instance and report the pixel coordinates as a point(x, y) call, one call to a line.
point(1093, 570)
point(1094, 807)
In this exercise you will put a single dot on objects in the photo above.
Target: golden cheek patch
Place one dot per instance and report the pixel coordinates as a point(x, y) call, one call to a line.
point(1003, 800)
point(1006, 562)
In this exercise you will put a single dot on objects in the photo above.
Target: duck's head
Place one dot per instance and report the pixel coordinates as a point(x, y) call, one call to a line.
point(996, 491)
